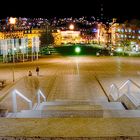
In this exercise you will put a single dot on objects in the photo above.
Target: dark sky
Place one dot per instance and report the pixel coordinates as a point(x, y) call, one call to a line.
point(123, 9)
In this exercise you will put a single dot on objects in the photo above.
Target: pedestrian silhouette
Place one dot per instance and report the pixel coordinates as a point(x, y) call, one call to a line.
point(37, 70)
point(30, 73)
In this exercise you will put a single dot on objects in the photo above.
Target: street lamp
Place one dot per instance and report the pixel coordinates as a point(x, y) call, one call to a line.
point(71, 27)
point(13, 22)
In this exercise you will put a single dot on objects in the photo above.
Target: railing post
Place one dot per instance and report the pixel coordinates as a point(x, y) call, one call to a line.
point(14, 102)
point(117, 93)
point(39, 94)
point(114, 91)
point(38, 97)
point(14, 93)
point(128, 86)
point(30, 105)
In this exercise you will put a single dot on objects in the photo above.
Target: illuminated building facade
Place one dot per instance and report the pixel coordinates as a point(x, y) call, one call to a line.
point(20, 45)
point(57, 38)
point(32, 33)
point(66, 37)
point(125, 35)
point(70, 37)
point(101, 35)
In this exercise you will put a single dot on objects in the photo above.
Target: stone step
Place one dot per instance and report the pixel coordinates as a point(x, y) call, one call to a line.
point(25, 114)
point(75, 113)
point(105, 105)
point(121, 114)
point(61, 111)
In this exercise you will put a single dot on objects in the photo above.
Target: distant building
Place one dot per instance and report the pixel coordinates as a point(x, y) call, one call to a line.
point(126, 35)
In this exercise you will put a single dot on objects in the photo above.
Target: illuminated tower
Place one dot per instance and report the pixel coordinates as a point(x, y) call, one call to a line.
point(102, 11)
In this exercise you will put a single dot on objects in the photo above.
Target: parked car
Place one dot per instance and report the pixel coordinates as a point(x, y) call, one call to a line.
point(104, 52)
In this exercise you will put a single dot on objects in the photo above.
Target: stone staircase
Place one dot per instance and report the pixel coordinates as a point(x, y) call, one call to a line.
point(68, 108)
point(76, 108)
point(126, 94)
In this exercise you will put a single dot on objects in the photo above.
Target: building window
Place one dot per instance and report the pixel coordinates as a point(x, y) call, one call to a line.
point(139, 31)
point(121, 36)
point(133, 36)
point(129, 30)
point(138, 37)
point(122, 30)
point(119, 30)
point(125, 30)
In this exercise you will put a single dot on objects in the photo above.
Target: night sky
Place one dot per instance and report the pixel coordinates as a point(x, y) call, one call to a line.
point(112, 8)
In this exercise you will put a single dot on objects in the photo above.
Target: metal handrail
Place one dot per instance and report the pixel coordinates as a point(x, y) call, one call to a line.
point(127, 83)
point(135, 84)
point(124, 84)
point(16, 92)
point(39, 93)
point(112, 88)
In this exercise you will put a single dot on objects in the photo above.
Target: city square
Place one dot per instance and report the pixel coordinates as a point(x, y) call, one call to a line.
point(81, 83)
point(72, 77)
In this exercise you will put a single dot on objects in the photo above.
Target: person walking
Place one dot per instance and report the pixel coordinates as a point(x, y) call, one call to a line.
point(37, 70)
point(30, 73)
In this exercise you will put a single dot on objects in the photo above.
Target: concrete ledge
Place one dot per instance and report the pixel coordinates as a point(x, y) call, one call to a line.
point(71, 127)
point(129, 101)
point(74, 111)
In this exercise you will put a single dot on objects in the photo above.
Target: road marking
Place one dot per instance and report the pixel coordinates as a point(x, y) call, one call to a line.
point(77, 66)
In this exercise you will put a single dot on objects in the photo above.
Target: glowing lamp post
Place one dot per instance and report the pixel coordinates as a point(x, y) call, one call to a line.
point(12, 20)
point(71, 27)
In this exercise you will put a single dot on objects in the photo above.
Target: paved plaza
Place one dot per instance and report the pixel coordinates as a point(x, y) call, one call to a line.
point(68, 81)
point(72, 78)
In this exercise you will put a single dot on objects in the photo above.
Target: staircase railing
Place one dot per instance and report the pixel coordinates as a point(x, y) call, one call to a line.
point(14, 94)
point(114, 89)
point(39, 94)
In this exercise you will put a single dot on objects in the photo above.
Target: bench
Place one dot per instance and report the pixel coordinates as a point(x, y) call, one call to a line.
point(3, 112)
point(2, 83)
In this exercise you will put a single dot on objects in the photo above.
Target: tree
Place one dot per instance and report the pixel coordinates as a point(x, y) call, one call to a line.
point(46, 37)
point(125, 43)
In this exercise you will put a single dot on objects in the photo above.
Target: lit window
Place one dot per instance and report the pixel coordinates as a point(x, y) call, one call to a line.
point(129, 30)
point(125, 30)
point(129, 36)
point(119, 30)
point(138, 37)
point(139, 31)
point(133, 36)
point(125, 36)
point(122, 30)
point(133, 31)
point(121, 36)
